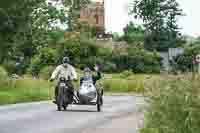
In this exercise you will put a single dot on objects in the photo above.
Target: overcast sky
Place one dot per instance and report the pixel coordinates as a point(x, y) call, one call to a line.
point(117, 16)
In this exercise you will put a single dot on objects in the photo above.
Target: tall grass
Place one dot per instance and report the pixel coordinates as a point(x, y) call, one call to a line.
point(25, 90)
point(174, 106)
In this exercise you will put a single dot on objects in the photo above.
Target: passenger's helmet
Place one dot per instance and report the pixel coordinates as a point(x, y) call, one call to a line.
point(87, 69)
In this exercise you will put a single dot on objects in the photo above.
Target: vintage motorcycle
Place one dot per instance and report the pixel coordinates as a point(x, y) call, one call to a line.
point(87, 95)
point(65, 94)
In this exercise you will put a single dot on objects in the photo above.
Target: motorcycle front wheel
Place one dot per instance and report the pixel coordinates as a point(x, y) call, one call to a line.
point(60, 99)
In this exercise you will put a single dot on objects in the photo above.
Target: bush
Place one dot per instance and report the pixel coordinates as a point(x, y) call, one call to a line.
point(46, 72)
point(3, 73)
point(46, 56)
point(174, 107)
point(88, 48)
point(86, 53)
point(10, 67)
point(184, 62)
point(35, 65)
point(126, 74)
point(105, 52)
point(138, 60)
point(109, 67)
point(142, 61)
point(72, 50)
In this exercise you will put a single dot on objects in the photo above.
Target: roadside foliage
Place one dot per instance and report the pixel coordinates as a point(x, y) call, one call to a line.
point(173, 106)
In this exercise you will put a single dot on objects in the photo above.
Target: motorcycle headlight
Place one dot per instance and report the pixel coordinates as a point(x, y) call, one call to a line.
point(62, 84)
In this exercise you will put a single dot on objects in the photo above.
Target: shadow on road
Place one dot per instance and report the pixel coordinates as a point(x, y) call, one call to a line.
point(72, 110)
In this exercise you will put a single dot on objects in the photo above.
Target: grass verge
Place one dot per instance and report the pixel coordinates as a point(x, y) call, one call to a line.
point(28, 90)
point(173, 106)
point(25, 90)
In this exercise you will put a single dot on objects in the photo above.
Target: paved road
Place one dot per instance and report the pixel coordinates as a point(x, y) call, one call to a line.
point(120, 115)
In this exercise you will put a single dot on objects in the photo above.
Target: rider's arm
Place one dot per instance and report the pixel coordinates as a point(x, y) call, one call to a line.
point(98, 76)
point(55, 73)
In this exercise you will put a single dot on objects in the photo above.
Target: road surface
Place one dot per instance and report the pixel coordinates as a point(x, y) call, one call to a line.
point(120, 114)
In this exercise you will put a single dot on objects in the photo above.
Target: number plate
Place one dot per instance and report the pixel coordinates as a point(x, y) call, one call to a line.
point(62, 84)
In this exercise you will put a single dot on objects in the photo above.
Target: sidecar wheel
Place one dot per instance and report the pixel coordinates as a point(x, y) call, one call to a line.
point(98, 107)
point(65, 107)
point(99, 103)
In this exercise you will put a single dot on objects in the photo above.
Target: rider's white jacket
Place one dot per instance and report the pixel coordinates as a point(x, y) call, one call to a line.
point(69, 71)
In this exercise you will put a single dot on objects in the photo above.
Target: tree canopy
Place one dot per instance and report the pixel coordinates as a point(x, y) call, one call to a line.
point(26, 25)
point(160, 22)
point(133, 33)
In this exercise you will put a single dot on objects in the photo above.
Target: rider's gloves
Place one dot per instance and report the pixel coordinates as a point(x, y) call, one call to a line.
point(96, 68)
point(75, 80)
point(51, 80)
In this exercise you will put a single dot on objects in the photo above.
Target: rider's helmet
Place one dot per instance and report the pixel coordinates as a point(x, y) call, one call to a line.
point(65, 61)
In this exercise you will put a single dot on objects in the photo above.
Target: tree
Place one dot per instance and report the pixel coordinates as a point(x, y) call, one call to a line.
point(74, 7)
point(26, 26)
point(44, 21)
point(198, 40)
point(133, 33)
point(173, 11)
point(14, 18)
point(160, 22)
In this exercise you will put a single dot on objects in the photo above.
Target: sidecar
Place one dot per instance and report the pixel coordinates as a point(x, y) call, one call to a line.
point(88, 94)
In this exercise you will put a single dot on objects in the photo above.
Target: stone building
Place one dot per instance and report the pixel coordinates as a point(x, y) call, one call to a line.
point(94, 14)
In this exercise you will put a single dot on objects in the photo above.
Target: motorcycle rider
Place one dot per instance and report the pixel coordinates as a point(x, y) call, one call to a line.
point(88, 75)
point(64, 69)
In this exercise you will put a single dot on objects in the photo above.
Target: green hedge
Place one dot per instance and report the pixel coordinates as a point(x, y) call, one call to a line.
point(86, 53)
point(3, 73)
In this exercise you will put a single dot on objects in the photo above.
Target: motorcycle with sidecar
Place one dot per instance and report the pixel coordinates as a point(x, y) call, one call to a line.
point(87, 95)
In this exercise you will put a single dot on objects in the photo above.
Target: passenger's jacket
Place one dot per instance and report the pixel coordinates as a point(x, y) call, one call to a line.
point(68, 72)
point(92, 78)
